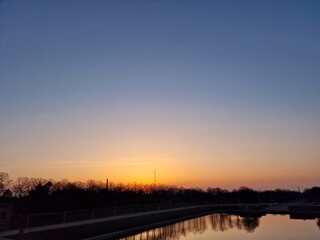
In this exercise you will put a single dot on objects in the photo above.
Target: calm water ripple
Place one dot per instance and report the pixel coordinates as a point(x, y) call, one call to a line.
point(226, 226)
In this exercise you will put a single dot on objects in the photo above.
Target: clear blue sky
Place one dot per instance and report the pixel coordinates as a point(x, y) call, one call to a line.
point(101, 85)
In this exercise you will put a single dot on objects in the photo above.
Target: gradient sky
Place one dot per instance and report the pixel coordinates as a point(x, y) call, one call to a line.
point(208, 93)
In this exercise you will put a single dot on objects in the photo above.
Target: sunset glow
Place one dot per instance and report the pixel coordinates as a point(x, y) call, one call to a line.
point(120, 89)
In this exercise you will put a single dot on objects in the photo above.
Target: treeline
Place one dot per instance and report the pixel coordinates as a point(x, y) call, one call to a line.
point(37, 195)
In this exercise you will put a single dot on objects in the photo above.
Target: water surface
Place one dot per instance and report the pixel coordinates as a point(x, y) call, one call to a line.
point(225, 226)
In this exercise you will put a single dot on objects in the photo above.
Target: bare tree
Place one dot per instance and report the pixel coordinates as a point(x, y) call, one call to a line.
point(60, 185)
point(94, 185)
point(4, 182)
point(34, 182)
point(21, 186)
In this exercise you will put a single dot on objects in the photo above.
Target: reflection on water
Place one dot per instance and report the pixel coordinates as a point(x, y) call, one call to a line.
point(216, 225)
point(216, 222)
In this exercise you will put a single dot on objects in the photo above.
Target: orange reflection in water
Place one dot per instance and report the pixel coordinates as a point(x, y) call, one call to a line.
point(225, 226)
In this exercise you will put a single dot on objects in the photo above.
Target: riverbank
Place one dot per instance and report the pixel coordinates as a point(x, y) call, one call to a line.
point(128, 224)
point(95, 227)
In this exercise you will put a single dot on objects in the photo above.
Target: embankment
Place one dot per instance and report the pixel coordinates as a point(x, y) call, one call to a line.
point(124, 225)
point(119, 225)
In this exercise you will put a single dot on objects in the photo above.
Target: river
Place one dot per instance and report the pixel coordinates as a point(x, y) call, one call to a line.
point(227, 227)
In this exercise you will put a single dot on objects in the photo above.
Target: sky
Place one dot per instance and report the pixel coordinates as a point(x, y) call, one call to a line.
point(206, 93)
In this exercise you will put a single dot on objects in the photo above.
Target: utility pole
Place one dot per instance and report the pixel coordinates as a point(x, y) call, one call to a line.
point(154, 177)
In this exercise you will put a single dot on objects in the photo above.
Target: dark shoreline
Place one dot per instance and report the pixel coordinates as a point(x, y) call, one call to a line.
point(121, 226)
point(87, 229)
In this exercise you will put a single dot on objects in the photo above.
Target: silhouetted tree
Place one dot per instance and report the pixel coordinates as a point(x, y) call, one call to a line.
point(40, 191)
point(7, 194)
point(21, 187)
point(4, 182)
point(312, 194)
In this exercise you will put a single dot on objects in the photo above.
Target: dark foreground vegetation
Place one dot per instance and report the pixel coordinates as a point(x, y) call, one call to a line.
point(37, 195)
